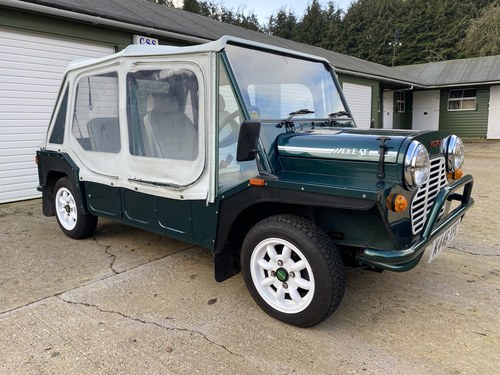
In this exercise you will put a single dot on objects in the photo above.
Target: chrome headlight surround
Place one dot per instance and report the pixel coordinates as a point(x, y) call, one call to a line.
point(417, 165)
point(454, 152)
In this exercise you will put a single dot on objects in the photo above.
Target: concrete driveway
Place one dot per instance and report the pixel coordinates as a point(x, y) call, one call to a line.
point(130, 302)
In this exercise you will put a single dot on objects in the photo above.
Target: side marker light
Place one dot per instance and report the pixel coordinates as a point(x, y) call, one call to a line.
point(257, 182)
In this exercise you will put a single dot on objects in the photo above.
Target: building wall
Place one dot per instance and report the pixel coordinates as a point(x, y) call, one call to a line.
point(465, 123)
point(41, 23)
point(402, 120)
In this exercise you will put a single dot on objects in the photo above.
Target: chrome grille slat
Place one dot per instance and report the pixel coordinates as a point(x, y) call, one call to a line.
point(427, 193)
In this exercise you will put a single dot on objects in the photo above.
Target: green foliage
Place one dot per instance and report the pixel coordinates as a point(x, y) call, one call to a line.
point(283, 24)
point(390, 32)
point(483, 33)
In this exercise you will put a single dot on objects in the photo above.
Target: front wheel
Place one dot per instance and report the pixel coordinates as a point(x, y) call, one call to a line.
point(74, 222)
point(292, 270)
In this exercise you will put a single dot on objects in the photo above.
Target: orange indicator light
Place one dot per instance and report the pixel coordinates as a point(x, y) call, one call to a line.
point(396, 203)
point(457, 175)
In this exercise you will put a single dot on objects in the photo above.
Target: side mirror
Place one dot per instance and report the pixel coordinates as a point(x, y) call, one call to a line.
point(248, 140)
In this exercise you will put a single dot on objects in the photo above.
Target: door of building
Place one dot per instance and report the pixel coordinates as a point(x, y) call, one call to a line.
point(426, 110)
point(359, 99)
point(388, 109)
point(494, 114)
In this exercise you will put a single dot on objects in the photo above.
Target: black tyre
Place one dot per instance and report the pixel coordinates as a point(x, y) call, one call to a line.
point(293, 270)
point(72, 220)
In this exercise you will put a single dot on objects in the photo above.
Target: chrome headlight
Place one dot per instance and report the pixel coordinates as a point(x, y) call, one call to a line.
point(417, 166)
point(454, 151)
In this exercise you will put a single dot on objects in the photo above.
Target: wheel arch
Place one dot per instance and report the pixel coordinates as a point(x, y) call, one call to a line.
point(240, 212)
point(52, 166)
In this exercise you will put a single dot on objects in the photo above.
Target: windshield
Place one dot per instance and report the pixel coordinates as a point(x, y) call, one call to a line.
point(275, 85)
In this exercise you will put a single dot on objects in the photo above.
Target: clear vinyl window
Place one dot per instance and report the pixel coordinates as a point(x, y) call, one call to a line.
point(163, 113)
point(95, 123)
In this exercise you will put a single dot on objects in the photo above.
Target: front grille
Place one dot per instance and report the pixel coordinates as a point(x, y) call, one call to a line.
point(427, 193)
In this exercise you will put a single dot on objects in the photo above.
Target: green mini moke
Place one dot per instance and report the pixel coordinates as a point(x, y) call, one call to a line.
point(251, 152)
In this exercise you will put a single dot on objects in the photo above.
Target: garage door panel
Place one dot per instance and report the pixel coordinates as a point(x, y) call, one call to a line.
point(15, 67)
point(30, 101)
point(20, 54)
point(31, 69)
point(26, 165)
point(359, 100)
point(15, 95)
point(6, 153)
point(18, 192)
point(16, 124)
point(27, 73)
point(17, 110)
point(40, 84)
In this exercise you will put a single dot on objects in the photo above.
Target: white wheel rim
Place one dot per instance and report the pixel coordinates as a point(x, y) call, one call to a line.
point(66, 209)
point(282, 275)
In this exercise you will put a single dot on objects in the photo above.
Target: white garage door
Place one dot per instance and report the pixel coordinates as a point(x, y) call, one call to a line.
point(31, 69)
point(494, 114)
point(359, 99)
point(426, 110)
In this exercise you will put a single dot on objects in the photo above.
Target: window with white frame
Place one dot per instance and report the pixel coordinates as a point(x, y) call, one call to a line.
point(400, 101)
point(462, 100)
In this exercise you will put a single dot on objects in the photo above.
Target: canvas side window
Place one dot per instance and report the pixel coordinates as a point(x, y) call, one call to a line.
point(163, 112)
point(57, 135)
point(95, 122)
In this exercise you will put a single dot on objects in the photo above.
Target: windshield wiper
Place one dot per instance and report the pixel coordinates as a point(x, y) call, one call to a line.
point(339, 114)
point(340, 119)
point(289, 125)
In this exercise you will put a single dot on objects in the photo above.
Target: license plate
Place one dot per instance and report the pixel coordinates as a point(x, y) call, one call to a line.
point(445, 239)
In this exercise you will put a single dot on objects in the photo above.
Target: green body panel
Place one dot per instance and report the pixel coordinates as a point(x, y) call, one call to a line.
point(192, 221)
point(466, 123)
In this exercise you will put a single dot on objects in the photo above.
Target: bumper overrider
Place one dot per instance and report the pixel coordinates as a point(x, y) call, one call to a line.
point(403, 260)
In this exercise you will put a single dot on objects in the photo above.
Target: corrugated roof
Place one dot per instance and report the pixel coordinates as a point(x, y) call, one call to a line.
point(456, 72)
point(148, 14)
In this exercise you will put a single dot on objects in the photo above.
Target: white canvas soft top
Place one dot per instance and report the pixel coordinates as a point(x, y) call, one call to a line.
point(215, 46)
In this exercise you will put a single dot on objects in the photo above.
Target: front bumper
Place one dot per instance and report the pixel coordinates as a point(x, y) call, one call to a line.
point(406, 259)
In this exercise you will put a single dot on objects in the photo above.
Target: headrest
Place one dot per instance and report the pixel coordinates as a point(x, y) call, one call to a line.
point(161, 103)
point(222, 103)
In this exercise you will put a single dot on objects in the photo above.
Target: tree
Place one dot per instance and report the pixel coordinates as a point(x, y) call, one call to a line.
point(168, 3)
point(283, 24)
point(371, 29)
point(333, 36)
point(191, 6)
point(483, 33)
point(312, 27)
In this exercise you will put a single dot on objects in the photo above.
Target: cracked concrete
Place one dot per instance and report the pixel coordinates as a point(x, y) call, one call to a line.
point(127, 301)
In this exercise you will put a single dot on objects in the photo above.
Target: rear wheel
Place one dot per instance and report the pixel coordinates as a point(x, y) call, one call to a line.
point(293, 270)
point(72, 220)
